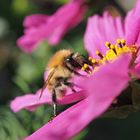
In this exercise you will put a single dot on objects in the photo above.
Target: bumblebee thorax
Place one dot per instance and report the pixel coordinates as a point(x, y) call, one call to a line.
point(58, 58)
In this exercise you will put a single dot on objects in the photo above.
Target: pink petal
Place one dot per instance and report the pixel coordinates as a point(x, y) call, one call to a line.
point(65, 21)
point(28, 43)
point(51, 28)
point(63, 126)
point(93, 38)
point(71, 98)
point(32, 101)
point(118, 69)
point(137, 8)
point(110, 27)
point(103, 88)
point(138, 41)
point(35, 20)
point(102, 29)
point(132, 24)
point(119, 27)
point(133, 32)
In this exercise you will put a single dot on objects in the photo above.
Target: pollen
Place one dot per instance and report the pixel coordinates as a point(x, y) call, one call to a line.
point(92, 60)
point(107, 44)
point(99, 54)
point(85, 66)
point(118, 41)
point(118, 49)
point(123, 42)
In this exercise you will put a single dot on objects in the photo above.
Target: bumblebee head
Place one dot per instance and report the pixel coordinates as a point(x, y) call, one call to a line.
point(76, 61)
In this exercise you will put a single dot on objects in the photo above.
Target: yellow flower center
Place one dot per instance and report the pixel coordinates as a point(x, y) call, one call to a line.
point(113, 52)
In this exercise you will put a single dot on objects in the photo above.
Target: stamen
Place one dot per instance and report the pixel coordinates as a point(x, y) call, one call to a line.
point(92, 60)
point(123, 42)
point(85, 66)
point(114, 51)
point(134, 49)
point(119, 43)
point(89, 58)
point(126, 49)
point(113, 48)
point(110, 55)
point(107, 44)
point(118, 49)
point(99, 54)
point(82, 69)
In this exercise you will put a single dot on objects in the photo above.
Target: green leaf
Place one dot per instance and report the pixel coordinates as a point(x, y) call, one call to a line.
point(22, 84)
point(10, 127)
point(62, 1)
point(81, 135)
point(18, 9)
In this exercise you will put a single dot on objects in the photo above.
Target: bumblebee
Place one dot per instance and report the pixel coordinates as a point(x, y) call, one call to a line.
point(62, 66)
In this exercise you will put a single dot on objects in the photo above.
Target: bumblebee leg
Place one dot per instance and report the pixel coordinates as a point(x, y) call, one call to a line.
point(86, 60)
point(54, 100)
point(75, 72)
point(54, 109)
point(71, 85)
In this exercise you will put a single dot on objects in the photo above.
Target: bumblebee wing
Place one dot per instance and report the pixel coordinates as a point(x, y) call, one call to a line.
point(51, 73)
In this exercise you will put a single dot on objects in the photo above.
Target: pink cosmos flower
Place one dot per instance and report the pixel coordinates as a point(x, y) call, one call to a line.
point(101, 88)
point(106, 28)
point(108, 80)
point(52, 28)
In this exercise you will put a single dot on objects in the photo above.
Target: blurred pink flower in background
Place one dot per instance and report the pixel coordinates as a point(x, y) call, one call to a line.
point(52, 28)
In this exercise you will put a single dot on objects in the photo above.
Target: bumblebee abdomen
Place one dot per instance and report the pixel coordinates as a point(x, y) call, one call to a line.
point(61, 75)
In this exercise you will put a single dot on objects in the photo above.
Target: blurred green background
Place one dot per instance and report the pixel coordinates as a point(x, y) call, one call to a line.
point(22, 73)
